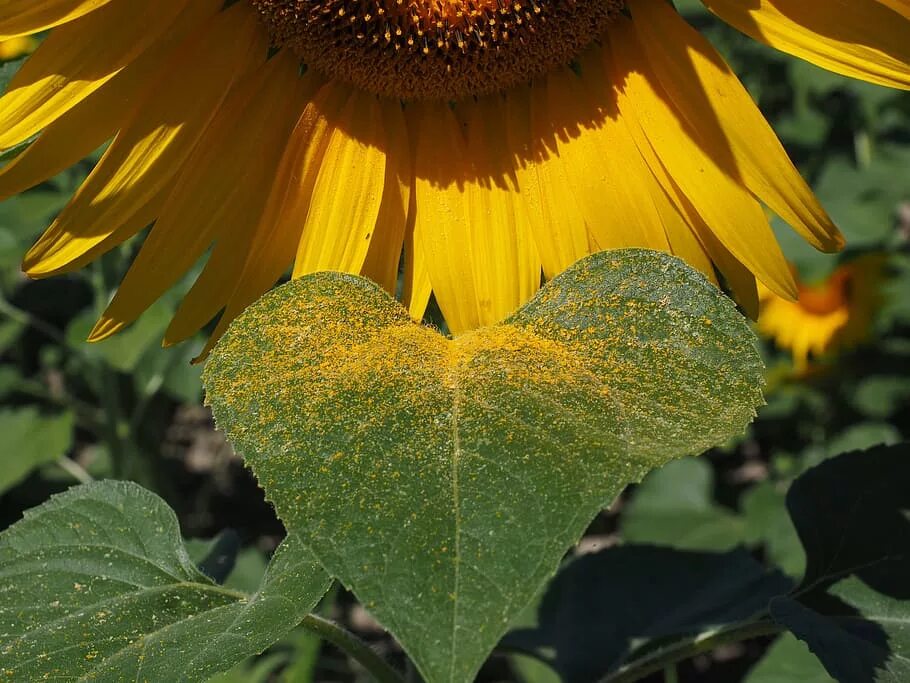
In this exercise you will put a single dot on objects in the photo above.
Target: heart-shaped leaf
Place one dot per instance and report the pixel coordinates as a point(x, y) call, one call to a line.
point(97, 585)
point(443, 479)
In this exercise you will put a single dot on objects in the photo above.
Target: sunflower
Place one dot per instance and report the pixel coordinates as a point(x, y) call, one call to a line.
point(471, 145)
point(835, 314)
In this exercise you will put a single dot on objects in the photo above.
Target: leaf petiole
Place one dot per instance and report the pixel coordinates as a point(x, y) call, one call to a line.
point(661, 659)
point(362, 653)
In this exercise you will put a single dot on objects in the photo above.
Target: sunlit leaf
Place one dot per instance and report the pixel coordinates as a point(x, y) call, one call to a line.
point(443, 479)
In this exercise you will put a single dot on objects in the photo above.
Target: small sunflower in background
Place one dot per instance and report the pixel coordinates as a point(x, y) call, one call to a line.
point(828, 317)
point(470, 144)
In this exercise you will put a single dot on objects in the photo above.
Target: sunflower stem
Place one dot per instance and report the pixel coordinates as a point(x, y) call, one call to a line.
point(362, 653)
point(117, 433)
point(666, 658)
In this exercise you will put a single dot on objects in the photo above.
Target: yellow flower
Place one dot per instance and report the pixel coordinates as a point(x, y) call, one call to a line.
point(829, 316)
point(474, 143)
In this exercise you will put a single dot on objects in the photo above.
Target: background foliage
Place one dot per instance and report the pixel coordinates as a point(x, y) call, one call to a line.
point(125, 408)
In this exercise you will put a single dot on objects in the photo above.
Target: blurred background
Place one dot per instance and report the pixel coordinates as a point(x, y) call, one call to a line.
point(838, 379)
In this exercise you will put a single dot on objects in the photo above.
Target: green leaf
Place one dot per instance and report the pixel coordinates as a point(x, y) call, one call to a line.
point(8, 69)
point(674, 506)
point(222, 555)
point(852, 607)
point(10, 331)
point(788, 661)
point(442, 479)
point(881, 396)
point(863, 435)
point(606, 608)
point(259, 671)
point(10, 380)
point(768, 523)
point(532, 670)
point(30, 440)
point(97, 584)
point(123, 351)
point(859, 636)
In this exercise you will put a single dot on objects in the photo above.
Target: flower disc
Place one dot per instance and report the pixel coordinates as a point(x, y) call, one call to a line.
point(436, 49)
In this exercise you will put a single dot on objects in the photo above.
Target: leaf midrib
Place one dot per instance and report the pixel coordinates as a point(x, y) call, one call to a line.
point(88, 547)
point(219, 590)
point(457, 391)
point(452, 380)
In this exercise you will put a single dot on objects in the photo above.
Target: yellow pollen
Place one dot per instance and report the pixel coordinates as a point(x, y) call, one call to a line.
point(436, 49)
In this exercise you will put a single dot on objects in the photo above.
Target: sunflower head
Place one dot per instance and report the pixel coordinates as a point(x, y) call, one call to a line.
point(436, 49)
point(459, 148)
point(832, 315)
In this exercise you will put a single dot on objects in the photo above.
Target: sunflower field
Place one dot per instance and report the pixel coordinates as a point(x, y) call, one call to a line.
point(559, 340)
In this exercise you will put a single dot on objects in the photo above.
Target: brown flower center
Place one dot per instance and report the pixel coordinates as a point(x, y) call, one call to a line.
point(828, 296)
point(436, 49)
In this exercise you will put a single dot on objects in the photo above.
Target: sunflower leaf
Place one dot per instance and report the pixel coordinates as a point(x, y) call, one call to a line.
point(31, 440)
point(610, 609)
point(97, 584)
point(442, 480)
point(852, 607)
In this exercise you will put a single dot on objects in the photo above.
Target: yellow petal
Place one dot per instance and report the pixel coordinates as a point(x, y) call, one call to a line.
point(381, 264)
point(727, 208)
point(77, 59)
point(277, 235)
point(211, 195)
point(23, 17)
point(144, 158)
point(348, 191)
point(94, 120)
point(602, 165)
point(506, 266)
point(693, 241)
point(222, 271)
point(902, 7)
point(738, 277)
point(683, 241)
point(556, 220)
point(441, 222)
point(471, 224)
point(417, 288)
point(716, 107)
point(858, 38)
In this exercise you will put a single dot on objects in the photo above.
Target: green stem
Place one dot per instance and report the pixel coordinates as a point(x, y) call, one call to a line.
point(75, 470)
point(353, 646)
point(27, 319)
point(87, 415)
point(116, 432)
point(148, 392)
point(127, 460)
point(663, 658)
